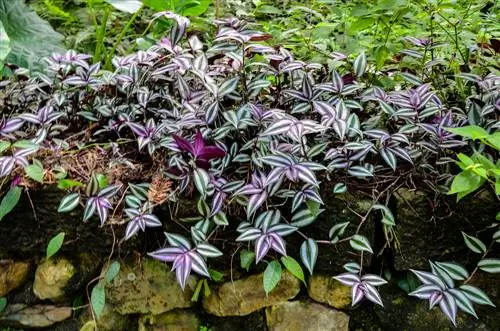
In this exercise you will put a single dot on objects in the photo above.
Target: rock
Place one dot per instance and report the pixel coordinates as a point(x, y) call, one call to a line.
point(175, 320)
point(59, 277)
point(110, 320)
point(247, 295)
point(305, 316)
point(325, 289)
point(430, 229)
point(38, 316)
point(12, 275)
point(253, 322)
point(51, 278)
point(148, 288)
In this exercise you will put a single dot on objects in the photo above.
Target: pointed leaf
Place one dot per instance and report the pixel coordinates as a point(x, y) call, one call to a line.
point(293, 266)
point(309, 254)
point(69, 202)
point(360, 243)
point(55, 244)
point(490, 265)
point(474, 244)
point(272, 276)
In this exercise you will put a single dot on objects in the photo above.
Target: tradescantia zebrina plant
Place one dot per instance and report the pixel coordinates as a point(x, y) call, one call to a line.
point(247, 131)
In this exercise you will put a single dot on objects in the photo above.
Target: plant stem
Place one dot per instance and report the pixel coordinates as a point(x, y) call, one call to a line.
point(120, 38)
point(100, 33)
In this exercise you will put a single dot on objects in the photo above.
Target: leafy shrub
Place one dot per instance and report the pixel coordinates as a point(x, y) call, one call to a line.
point(247, 131)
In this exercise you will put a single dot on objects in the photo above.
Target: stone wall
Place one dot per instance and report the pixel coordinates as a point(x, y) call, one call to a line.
point(41, 293)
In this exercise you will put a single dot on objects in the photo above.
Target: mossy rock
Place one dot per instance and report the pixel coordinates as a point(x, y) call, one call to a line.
point(246, 295)
point(175, 320)
point(148, 287)
point(299, 316)
point(326, 289)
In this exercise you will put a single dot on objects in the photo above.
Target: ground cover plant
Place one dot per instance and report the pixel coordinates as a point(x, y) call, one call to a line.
point(254, 135)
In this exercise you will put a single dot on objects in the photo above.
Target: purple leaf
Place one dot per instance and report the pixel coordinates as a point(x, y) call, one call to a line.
point(168, 254)
point(262, 246)
point(372, 294)
point(449, 307)
point(348, 279)
point(357, 293)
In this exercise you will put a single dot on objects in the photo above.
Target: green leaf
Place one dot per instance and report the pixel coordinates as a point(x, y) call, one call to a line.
point(294, 267)
point(183, 7)
point(490, 265)
point(127, 6)
point(215, 275)
point(474, 244)
point(272, 276)
point(246, 259)
point(494, 140)
point(98, 299)
point(465, 182)
point(102, 180)
point(197, 290)
point(381, 53)
point(65, 184)
point(360, 243)
point(25, 144)
point(55, 244)
point(3, 304)
point(3, 144)
point(10, 200)
point(4, 45)
point(470, 131)
point(35, 172)
point(112, 272)
point(31, 38)
point(69, 202)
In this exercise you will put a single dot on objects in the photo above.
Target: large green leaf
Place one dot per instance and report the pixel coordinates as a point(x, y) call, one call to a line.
point(31, 38)
point(182, 7)
point(4, 45)
point(128, 6)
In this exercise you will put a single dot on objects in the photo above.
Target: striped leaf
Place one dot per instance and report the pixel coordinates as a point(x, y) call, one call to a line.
point(208, 250)
point(359, 171)
point(69, 202)
point(177, 240)
point(474, 244)
point(454, 270)
point(490, 265)
point(309, 254)
point(337, 230)
point(228, 87)
point(360, 243)
point(360, 65)
point(476, 295)
point(303, 218)
point(463, 302)
point(201, 180)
